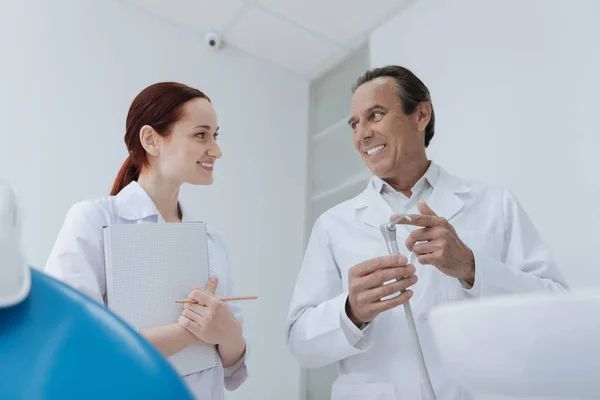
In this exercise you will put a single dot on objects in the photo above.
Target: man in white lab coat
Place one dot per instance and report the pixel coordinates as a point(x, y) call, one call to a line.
point(466, 240)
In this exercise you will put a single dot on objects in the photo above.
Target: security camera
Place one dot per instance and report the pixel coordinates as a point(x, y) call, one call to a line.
point(213, 40)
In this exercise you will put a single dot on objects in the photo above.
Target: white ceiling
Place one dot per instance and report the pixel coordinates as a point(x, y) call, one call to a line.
point(305, 36)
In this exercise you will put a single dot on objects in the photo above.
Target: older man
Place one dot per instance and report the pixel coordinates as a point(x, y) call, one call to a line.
point(466, 240)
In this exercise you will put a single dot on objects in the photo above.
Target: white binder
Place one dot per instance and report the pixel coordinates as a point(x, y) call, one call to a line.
point(148, 267)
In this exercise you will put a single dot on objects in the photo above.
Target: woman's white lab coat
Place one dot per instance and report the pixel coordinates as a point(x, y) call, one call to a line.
point(78, 260)
point(379, 362)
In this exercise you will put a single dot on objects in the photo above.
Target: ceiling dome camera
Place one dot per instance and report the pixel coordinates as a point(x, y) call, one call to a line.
point(213, 40)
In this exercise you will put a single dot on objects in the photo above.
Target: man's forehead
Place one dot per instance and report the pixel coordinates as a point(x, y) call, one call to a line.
point(377, 86)
point(372, 93)
point(382, 80)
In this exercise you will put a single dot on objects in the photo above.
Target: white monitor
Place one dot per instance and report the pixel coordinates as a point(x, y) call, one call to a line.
point(536, 346)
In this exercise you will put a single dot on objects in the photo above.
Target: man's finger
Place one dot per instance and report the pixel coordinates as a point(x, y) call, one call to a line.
point(370, 266)
point(428, 259)
point(419, 235)
point(425, 209)
point(378, 293)
point(211, 285)
point(424, 248)
point(378, 278)
point(393, 302)
point(420, 220)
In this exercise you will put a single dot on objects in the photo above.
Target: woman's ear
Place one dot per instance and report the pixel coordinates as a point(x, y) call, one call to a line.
point(150, 140)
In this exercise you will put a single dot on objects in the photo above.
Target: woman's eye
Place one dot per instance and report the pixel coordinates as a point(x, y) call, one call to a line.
point(201, 135)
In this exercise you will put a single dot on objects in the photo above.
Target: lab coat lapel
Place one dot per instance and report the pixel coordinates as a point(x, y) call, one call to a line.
point(378, 211)
point(444, 200)
point(372, 209)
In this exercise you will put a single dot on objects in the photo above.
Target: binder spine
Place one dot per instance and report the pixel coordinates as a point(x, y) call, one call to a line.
point(208, 263)
point(107, 264)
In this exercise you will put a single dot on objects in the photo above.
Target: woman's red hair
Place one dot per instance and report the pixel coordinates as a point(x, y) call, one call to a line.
point(158, 106)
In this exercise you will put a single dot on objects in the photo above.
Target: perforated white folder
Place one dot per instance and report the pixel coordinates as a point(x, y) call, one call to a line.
point(148, 267)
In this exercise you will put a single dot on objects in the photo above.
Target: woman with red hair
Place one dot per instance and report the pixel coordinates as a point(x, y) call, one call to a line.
point(171, 133)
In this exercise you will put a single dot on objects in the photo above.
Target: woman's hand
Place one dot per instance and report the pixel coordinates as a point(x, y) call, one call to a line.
point(212, 322)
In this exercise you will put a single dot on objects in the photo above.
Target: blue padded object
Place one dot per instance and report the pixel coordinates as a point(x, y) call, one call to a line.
point(61, 344)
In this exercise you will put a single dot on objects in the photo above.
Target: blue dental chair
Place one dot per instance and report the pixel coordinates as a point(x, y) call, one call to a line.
point(58, 344)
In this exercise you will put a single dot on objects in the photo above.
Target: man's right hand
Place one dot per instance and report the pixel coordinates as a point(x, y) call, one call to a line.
point(366, 281)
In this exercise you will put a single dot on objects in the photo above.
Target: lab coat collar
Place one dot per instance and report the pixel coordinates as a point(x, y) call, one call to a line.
point(431, 176)
point(134, 203)
point(444, 200)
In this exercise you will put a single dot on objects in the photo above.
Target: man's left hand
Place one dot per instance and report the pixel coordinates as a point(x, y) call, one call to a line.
point(438, 244)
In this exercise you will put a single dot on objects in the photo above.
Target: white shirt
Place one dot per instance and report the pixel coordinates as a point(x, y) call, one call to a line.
point(400, 203)
point(378, 361)
point(77, 259)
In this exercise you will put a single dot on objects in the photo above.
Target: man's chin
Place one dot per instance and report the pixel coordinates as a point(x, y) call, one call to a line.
point(379, 171)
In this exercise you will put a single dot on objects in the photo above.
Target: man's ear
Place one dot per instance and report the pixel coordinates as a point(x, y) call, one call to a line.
point(150, 140)
point(423, 115)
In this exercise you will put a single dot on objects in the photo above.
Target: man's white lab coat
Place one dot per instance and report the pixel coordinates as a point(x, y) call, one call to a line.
point(379, 362)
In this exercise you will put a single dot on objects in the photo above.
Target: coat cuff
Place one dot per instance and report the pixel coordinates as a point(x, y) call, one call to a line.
point(480, 264)
point(229, 371)
point(235, 375)
point(353, 333)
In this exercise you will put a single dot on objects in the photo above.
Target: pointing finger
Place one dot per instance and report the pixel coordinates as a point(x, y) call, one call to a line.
point(420, 220)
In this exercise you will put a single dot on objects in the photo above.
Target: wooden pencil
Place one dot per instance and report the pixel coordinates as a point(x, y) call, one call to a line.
point(192, 301)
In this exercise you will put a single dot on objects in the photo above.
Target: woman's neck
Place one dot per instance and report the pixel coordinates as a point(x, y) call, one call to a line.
point(163, 193)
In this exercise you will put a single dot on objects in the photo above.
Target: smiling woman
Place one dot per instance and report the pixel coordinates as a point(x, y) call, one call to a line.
point(171, 133)
point(173, 128)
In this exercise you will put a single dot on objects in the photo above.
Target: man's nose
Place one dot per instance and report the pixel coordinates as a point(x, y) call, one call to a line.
point(364, 131)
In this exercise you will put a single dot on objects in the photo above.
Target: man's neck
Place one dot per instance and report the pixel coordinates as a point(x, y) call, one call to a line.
point(407, 176)
point(164, 195)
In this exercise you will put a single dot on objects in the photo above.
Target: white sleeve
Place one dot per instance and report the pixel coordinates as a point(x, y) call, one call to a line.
point(77, 257)
point(318, 330)
point(237, 374)
point(526, 264)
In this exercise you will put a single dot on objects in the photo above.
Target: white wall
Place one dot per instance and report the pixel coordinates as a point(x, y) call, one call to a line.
point(515, 87)
point(70, 69)
point(332, 180)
